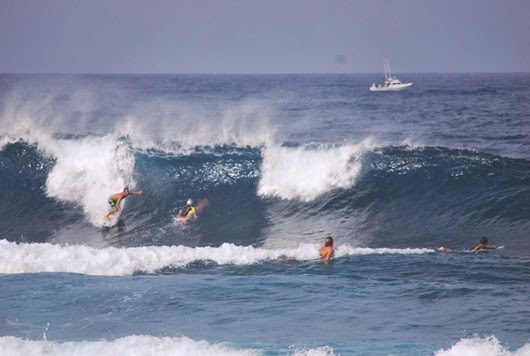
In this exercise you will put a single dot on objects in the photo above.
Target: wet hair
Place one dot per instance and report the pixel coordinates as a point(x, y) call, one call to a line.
point(484, 240)
point(126, 188)
point(329, 241)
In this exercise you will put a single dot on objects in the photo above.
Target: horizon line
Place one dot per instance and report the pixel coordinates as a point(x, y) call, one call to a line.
point(253, 73)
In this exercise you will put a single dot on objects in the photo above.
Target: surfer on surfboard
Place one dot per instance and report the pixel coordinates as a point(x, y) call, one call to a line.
point(115, 200)
point(190, 212)
point(483, 245)
point(325, 252)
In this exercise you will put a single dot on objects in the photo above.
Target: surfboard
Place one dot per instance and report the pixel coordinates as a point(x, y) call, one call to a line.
point(467, 249)
point(201, 205)
point(183, 220)
point(491, 248)
point(113, 219)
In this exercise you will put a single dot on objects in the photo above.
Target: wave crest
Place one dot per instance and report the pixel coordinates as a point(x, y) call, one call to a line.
point(309, 171)
point(45, 257)
point(136, 344)
point(488, 346)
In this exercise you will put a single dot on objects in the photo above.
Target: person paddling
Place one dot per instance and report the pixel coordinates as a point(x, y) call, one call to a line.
point(189, 211)
point(483, 245)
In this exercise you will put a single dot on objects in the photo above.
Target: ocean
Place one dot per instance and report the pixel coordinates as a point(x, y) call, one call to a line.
point(283, 160)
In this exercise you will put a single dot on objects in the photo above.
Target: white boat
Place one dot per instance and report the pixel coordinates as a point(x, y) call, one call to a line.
point(391, 83)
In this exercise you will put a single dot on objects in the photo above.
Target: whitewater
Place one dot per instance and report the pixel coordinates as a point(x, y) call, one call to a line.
point(284, 161)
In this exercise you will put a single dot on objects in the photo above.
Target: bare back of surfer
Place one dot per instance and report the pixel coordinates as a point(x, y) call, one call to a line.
point(115, 200)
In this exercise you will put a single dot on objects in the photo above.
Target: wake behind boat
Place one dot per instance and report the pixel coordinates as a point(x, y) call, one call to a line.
point(391, 83)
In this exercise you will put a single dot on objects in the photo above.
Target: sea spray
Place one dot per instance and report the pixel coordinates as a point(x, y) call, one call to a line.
point(179, 128)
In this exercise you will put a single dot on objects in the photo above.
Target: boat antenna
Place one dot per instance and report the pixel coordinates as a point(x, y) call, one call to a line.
point(388, 73)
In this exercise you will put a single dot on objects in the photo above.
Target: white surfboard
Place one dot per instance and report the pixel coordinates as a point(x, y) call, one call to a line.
point(113, 219)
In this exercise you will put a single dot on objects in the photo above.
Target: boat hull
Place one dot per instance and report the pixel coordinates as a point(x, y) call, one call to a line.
point(395, 87)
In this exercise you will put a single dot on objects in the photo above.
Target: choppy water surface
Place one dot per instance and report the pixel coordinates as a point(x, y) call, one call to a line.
point(284, 160)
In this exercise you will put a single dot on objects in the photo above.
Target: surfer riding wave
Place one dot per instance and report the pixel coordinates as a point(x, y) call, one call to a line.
point(115, 200)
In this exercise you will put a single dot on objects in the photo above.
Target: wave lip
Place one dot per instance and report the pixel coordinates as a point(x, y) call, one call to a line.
point(111, 261)
point(87, 171)
point(309, 171)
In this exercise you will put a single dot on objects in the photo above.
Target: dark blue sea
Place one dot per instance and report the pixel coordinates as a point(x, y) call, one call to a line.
point(283, 160)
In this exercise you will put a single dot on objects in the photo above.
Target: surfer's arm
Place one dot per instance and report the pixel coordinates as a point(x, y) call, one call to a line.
point(327, 255)
point(479, 247)
point(136, 193)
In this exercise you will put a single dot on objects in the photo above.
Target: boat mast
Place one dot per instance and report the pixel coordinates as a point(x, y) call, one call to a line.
point(388, 73)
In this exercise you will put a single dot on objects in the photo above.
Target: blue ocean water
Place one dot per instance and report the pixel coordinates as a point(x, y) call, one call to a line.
point(284, 160)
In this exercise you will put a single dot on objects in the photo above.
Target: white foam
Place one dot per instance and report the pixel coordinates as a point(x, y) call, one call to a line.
point(88, 170)
point(5, 140)
point(488, 346)
point(181, 345)
point(347, 250)
point(319, 351)
point(308, 171)
point(45, 257)
point(129, 345)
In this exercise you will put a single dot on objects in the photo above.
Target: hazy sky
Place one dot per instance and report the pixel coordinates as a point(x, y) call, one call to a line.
point(266, 36)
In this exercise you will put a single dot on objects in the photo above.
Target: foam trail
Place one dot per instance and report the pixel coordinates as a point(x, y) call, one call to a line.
point(307, 172)
point(45, 257)
point(136, 345)
point(488, 346)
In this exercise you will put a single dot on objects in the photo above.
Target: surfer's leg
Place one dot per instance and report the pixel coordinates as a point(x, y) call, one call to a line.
point(112, 204)
point(110, 213)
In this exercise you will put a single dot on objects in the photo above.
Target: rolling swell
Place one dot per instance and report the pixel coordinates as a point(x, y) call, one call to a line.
point(400, 197)
point(435, 195)
point(420, 197)
point(28, 214)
